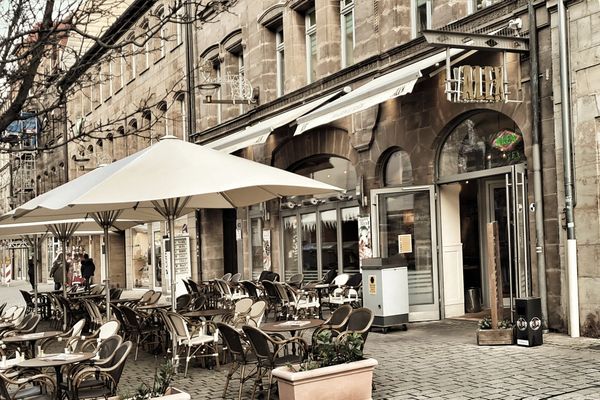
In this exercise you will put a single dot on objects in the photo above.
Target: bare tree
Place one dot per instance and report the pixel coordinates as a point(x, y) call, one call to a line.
point(51, 49)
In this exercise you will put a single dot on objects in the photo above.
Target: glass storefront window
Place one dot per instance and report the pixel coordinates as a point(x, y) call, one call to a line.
point(482, 141)
point(256, 246)
point(157, 252)
point(141, 254)
point(290, 246)
point(405, 235)
point(350, 261)
point(309, 246)
point(329, 240)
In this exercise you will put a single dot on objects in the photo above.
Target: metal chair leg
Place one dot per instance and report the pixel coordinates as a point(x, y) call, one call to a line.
point(241, 381)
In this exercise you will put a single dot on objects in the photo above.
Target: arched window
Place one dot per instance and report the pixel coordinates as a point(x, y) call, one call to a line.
point(398, 169)
point(333, 170)
point(481, 141)
point(162, 34)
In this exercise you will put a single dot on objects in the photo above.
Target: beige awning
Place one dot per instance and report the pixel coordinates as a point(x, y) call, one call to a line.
point(383, 88)
point(258, 133)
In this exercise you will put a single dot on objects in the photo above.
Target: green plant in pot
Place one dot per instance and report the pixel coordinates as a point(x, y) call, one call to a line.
point(162, 380)
point(335, 369)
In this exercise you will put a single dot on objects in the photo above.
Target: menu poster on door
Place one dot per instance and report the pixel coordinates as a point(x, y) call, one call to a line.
point(266, 240)
point(182, 257)
point(405, 244)
point(364, 238)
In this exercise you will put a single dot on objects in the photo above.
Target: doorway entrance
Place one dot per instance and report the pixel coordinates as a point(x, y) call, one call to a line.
point(466, 207)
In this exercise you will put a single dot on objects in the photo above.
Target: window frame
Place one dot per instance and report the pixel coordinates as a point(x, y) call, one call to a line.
point(347, 7)
point(280, 61)
point(415, 33)
point(309, 31)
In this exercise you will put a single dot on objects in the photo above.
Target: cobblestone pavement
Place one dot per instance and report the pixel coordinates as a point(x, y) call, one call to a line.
point(440, 360)
point(437, 360)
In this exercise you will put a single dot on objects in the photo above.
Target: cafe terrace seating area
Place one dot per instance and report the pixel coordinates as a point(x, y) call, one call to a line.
point(73, 347)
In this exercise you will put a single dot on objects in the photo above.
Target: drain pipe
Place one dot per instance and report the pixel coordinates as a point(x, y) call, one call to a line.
point(565, 96)
point(538, 193)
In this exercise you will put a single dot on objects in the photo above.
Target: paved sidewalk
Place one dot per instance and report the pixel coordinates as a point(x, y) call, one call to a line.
point(436, 360)
point(439, 360)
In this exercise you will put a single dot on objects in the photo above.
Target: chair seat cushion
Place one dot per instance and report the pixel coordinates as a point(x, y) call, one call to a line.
point(197, 340)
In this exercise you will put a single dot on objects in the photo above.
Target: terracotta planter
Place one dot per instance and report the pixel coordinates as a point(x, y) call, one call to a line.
point(351, 381)
point(491, 337)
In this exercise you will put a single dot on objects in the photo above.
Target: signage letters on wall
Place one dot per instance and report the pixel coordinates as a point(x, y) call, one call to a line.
point(478, 84)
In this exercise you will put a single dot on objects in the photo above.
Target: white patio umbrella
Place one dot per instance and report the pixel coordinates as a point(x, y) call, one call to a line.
point(164, 181)
point(63, 230)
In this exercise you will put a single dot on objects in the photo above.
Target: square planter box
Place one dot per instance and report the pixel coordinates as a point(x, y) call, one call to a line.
point(492, 337)
point(351, 381)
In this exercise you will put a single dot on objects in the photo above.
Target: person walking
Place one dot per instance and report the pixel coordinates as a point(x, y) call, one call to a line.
point(57, 271)
point(87, 270)
point(30, 272)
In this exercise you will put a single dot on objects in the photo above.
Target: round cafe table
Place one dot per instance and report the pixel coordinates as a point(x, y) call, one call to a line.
point(292, 326)
point(31, 338)
point(208, 314)
point(56, 361)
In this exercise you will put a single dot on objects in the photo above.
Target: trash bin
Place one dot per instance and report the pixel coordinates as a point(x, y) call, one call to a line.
point(529, 321)
point(473, 300)
point(385, 292)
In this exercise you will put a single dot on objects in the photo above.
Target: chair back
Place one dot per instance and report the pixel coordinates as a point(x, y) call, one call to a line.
point(242, 306)
point(355, 280)
point(118, 315)
point(188, 289)
point(296, 280)
point(256, 313)
point(31, 324)
point(235, 278)
point(340, 280)
point(271, 291)
point(115, 293)
point(118, 361)
point(97, 289)
point(108, 329)
point(198, 303)
point(8, 312)
point(154, 298)
point(107, 349)
point(146, 297)
point(194, 286)
point(232, 340)
point(360, 321)
point(250, 288)
point(183, 302)
point(340, 317)
point(263, 275)
point(27, 297)
point(24, 321)
point(78, 328)
point(329, 276)
point(180, 327)
point(226, 277)
point(260, 343)
point(18, 315)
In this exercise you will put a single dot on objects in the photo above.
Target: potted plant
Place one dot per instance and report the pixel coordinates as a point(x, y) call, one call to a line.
point(160, 389)
point(503, 334)
point(336, 369)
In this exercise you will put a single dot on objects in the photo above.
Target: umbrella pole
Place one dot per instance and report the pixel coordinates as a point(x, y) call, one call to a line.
point(171, 222)
point(35, 277)
point(107, 281)
point(63, 241)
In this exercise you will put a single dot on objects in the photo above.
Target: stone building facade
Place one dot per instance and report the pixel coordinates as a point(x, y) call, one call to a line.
point(421, 174)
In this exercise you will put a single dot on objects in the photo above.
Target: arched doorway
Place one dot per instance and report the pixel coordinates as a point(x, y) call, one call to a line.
point(481, 178)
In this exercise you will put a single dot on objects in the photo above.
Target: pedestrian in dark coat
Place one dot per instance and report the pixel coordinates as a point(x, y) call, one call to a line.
point(87, 270)
point(30, 272)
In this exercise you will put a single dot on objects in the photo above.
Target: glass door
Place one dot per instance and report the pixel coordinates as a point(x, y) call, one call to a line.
point(404, 229)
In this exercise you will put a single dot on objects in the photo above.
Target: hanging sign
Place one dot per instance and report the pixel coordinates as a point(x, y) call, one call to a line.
point(364, 238)
point(477, 84)
point(506, 140)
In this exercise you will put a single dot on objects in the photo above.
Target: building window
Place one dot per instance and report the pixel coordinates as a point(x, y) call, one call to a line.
point(179, 25)
point(111, 77)
point(146, 52)
point(347, 24)
point(482, 141)
point(162, 118)
point(162, 34)
point(398, 169)
point(122, 69)
point(421, 16)
point(279, 47)
point(182, 123)
point(217, 67)
point(130, 59)
point(311, 45)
